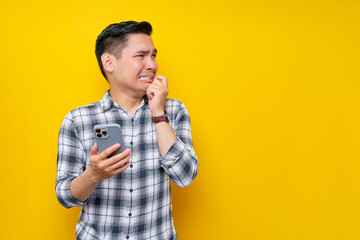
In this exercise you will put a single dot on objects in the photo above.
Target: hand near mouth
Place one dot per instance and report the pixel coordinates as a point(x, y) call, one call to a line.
point(157, 93)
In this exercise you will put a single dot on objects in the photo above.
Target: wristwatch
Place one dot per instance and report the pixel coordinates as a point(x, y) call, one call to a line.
point(161, 118)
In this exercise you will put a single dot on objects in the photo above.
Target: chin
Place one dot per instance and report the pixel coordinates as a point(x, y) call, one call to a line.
point(141, 91)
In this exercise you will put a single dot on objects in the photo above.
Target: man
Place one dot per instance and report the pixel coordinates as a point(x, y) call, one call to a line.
point(126, 196)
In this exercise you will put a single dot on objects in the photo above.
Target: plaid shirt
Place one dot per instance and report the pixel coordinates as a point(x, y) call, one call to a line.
point(136, 203)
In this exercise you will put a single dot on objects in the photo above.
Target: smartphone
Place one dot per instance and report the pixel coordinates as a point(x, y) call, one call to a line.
point(107, 135)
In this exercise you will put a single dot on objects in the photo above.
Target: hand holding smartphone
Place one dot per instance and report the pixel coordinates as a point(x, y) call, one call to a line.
point(107, 135)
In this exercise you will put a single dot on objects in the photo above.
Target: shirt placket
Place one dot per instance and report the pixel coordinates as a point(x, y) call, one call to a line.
point(132, 210)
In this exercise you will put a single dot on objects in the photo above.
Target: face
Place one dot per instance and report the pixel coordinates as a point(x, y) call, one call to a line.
point(135, 69)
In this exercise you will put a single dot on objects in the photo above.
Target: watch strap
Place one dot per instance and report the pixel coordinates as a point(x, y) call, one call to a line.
point(161, 118)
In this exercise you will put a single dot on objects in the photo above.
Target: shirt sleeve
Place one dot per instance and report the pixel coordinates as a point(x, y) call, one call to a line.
point(70, 162)
point(180, 162)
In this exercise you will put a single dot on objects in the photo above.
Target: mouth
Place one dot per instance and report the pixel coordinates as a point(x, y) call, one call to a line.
point(146, 79)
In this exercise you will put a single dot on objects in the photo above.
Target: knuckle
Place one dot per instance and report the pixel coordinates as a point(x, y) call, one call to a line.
point(124, 153)
point(127, 164)
point(101, 167)
point(93, 159)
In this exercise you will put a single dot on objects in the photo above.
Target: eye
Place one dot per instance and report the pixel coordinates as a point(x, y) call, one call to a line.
point(140, 55)
point(154, 56)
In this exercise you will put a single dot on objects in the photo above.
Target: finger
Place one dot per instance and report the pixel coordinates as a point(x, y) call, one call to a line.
point(162, 78)
point(159, 86)
point(155, 88)
point(120, 164)
point(118, 157)
point(94, 149)
point(148, 90)
point(107, 152)
point(150, 95)
point(157, 81)
point(122, 168)
point(164, 81)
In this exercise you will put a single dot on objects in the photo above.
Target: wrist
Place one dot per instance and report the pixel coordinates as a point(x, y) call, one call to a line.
point(91, 176)
point(157, 113)
point(161, 118)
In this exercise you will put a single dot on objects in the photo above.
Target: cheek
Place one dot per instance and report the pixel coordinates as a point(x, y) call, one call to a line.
point(132, 69)
point(156, 66)
point(138, 66)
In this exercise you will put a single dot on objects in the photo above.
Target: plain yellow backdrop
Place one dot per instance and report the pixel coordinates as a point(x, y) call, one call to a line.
point(272, 88)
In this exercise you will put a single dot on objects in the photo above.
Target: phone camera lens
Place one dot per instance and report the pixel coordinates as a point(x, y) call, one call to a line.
point(104, 133)
point(98, 130)
point(99, 135)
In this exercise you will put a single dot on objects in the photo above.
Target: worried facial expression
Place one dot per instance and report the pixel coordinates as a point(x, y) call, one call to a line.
point(135, 69)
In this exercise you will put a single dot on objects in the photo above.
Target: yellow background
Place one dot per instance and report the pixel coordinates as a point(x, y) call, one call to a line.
point(272, 88)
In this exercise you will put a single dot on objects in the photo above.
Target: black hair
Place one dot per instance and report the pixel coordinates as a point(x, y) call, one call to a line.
point(114, 37)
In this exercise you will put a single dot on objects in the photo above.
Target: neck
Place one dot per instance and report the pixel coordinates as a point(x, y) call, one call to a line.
point(125, 101)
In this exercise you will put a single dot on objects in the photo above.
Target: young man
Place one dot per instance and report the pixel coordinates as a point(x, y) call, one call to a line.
point(126, 196)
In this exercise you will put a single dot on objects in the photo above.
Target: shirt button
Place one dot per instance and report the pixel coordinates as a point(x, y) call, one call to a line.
point(131, 165)
point(131, 190)
point(127, 237)
point(130, 214)
point(131, 143)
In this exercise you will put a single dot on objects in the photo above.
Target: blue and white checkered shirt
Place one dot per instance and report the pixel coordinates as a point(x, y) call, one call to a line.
point(136, 203)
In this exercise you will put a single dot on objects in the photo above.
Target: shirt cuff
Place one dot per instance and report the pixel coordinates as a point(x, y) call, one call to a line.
point(66, 197)
point(175, 152)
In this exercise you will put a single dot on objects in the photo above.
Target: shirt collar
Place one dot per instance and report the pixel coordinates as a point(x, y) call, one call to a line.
point(107, 102)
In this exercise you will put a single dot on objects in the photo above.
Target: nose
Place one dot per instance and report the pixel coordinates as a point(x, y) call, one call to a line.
point(151, 64)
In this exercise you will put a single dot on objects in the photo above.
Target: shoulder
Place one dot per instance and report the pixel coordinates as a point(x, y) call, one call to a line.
point(174, 105)
point(82, 114)
point(175, 108)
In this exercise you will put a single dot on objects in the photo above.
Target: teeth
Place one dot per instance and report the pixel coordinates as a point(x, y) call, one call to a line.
point(145, 77)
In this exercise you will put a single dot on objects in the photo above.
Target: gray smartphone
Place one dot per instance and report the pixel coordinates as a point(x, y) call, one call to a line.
point(107, 135)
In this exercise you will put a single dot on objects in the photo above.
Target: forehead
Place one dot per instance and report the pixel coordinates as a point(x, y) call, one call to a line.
point(139, 41)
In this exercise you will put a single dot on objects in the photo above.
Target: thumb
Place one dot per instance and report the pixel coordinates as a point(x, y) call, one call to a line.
point(94, 150)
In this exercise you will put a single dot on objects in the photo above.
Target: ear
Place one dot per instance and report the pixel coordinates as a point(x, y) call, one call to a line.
point(107, 62)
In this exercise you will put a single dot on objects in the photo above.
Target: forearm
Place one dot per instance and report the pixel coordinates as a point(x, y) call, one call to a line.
point(83, 186)
point(178, 158)
point(166, 137)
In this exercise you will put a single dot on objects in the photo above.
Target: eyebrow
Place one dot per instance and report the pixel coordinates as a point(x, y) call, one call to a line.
point(146, 52)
